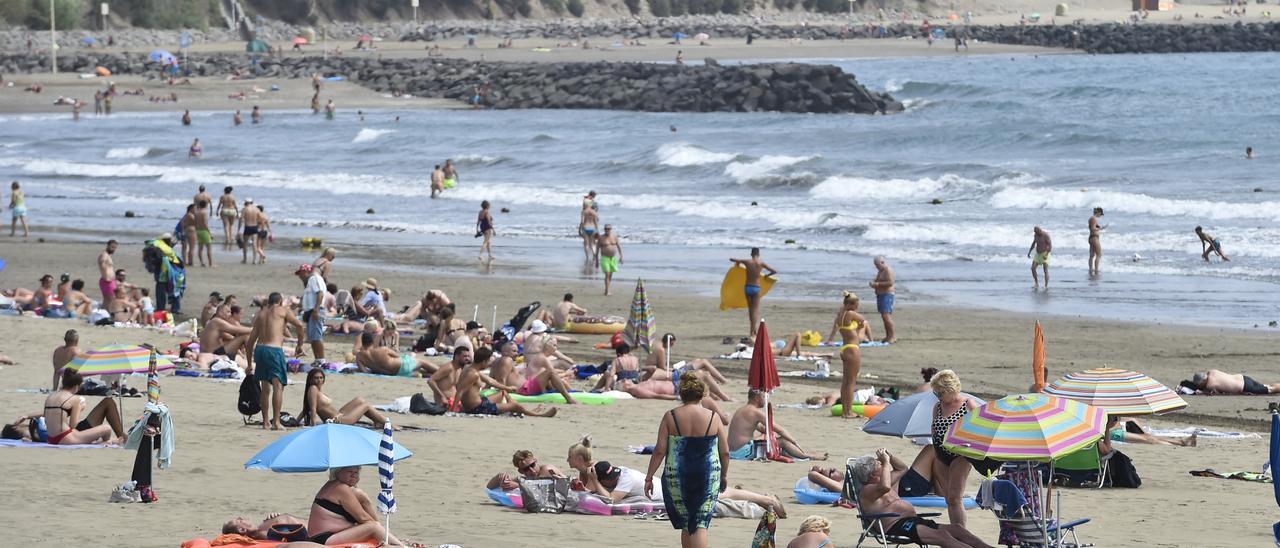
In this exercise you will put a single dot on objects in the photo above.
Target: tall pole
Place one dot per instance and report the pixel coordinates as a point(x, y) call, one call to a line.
point(53, 40)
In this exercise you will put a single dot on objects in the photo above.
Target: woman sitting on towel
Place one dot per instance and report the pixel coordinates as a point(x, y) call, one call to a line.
point(342, 514)
point(64, 414)
point(318, 408)
point(694, 446)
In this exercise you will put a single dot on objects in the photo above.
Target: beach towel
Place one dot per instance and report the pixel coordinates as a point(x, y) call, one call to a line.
point(1243, 476)
point(691, 480)
point(165, 455)
point(765, 531)
point(1182, 432)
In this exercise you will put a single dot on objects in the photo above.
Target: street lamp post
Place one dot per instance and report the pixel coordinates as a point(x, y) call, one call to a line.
point(105, 11)
point(53, 39)
point(414, 3)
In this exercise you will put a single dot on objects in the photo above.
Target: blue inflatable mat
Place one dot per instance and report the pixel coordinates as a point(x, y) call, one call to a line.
point(805, 494)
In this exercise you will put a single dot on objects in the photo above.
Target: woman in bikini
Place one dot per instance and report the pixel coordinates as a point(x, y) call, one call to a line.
point(318, 408)
point(342, 513)
point(77, 428)
point(484, 227)
point(655, 369)
point(849, 322)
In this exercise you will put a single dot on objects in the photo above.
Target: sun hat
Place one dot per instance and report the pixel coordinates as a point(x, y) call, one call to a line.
point(538, 327)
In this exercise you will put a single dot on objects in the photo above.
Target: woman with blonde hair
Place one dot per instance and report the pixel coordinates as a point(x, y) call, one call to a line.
point(851, 325)
point(813, 533)
point(341, 513)
point(951, 469)
point(579, 459)
point(697, 465)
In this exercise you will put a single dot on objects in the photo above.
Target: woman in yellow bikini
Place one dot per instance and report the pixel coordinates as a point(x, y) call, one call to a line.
point(851, 326)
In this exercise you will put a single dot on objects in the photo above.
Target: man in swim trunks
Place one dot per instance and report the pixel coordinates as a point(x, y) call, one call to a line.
point(106, 268)
point(444, 382)
point(187, 233)
point(204, 238)
point(588, 224)
point(879, 495)
point(312, 309)
point(755, 267)
point(437, 181)
point(450, 173)
point(1095, 241)
point(1235, 384)
point(473, 378)
point(563, 312)
point(220, 324)
point(228, 211)
point(751, 418)
point(267, 341)
point(202, 196)
point(385, 360)
point(883, 285)
point(609, 256)
point(249, 219)
point(541, 375)
point(63, 355)
point(1042, 246)
point(1209, 244)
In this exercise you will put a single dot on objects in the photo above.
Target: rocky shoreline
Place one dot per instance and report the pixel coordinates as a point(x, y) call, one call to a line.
point(651, 87)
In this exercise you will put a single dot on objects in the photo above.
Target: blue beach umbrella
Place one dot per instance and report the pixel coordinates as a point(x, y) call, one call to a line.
point(679, 36)
point(88, 40)
point(161, 56)
point(321, 448)
point(909, 417)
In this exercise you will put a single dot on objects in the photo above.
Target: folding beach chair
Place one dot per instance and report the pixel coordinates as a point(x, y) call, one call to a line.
point(1011, 508)
point(1083, 468)
point(872, 528)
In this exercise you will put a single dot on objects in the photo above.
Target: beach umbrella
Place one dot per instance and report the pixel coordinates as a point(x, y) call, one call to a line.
point(641, 325)
point(1026, 427)
point(1117, 391)
point(386, 477)
point(298, 40)
point(762, 375)
point(323, 447)
point(1038, 360)
point(701, 36)
point(366, 38)
point(88, 40)
point(119, 359)
point(678, 36)
point(909, 417)
point(161, 56)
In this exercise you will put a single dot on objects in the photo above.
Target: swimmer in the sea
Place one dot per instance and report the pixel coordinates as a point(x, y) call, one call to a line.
point(196, 150)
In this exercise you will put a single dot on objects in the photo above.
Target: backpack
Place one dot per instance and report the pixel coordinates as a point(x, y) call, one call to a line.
point(249, 403)
point(1122, 471)
point(421, 405)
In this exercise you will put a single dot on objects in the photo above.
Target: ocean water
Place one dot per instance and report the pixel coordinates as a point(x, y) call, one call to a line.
point(1005, 143)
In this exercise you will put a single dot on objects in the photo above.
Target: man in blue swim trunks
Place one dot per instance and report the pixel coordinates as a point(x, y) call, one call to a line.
point(879, 495)
point(313, 308)
point(751, 418)
point(1209, 244)
point(266, 340)
point(883, 284)
point(755, 267)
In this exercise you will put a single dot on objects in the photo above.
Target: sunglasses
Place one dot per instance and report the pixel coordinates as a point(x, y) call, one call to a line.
point(528, 467)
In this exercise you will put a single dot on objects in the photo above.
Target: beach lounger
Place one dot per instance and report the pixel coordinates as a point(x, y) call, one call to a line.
point(1012, 509)
point(871, 526)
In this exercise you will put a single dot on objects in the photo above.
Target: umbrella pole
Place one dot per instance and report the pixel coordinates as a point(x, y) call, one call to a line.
point(386, 537)
point(493, 324)
point(768, 426)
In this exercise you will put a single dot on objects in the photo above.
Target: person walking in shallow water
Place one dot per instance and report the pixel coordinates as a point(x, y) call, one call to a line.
point(484, 229)
point(1042, 246)
point(1095, 242)
point(1208, 244)
point(18, 206)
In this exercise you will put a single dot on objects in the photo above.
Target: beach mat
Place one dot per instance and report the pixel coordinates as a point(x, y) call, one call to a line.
point(1242, 476)
point(1177, 432)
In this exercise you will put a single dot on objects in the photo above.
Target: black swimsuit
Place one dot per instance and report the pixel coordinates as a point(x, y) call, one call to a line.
point(336, 508)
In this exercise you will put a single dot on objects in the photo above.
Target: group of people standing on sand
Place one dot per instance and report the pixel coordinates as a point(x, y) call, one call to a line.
point(1042, 247)
point(601, 248)
point(248, 226)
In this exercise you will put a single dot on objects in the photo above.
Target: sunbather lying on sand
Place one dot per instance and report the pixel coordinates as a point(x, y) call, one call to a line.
point(1218, 382)
point(242, 526)
point(528, 467)
point(1128, 430)
point(655, 367)
point(383, 360)
point(664, 390)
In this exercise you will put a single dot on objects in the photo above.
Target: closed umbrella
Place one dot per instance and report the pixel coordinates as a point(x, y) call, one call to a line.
point(763, 376)
point(641, 325)
point(386, 477)
point(323, 447)
point(1118, 391)
point(1038, 360)
point(909, 417)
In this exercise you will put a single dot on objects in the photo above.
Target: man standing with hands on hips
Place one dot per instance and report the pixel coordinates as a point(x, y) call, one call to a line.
point(883, 285)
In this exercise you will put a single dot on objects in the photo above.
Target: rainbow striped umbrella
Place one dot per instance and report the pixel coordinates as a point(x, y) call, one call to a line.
point(1026, 427)
point(1118, 391)
point(118, 359)
point(642, 325)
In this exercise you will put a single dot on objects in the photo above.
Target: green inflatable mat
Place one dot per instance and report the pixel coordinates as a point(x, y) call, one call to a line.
point(589, 398)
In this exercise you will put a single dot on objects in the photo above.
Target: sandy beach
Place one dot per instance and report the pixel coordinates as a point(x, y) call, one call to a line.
point(440, 489)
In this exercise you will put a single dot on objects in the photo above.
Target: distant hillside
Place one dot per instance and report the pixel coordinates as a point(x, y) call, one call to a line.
point(202, 14)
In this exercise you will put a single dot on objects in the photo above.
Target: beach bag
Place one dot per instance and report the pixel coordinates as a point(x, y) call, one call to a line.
point(1122, 471)
point(419, 404)
point(424, 342)
point(249, 402)
point(544, 495)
